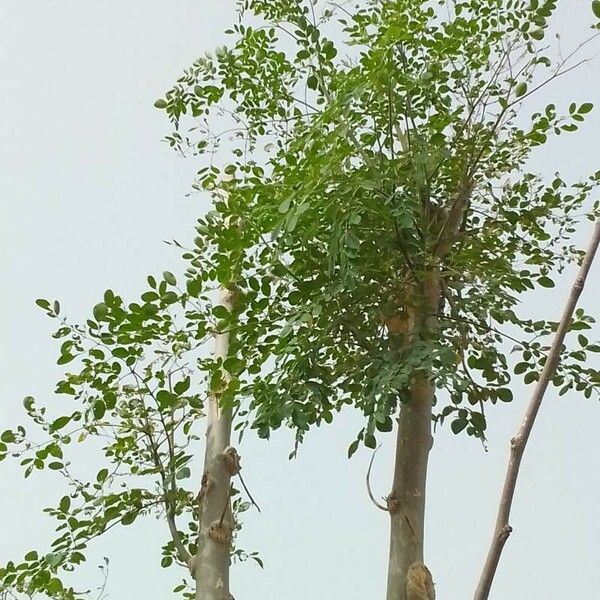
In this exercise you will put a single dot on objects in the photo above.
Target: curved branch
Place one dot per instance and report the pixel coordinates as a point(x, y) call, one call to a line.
point(368, 478)
point(183, 555)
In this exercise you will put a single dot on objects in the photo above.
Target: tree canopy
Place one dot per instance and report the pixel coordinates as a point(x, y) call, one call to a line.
point(359, 157)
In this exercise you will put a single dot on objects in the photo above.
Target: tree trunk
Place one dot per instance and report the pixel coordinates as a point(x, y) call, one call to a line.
point(406, 502)
point(212, 560)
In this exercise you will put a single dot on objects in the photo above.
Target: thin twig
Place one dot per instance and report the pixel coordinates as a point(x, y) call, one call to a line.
point(502, 529)
point(377, 504)
point(248, 491)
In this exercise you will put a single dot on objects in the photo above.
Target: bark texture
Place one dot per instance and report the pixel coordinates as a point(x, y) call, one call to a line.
point(212, 560)
point(406, 502)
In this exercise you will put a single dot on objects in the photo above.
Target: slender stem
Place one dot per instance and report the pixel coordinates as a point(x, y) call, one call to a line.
point(502, 529)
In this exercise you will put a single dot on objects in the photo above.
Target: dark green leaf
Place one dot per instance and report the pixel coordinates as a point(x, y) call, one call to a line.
point(546, 282)
point(100, 311)
point(129, 518)
point(169, 278)
point(352, 448)
point(458, 425)
point(99, 409)
point(521, 89)
point(59, 423)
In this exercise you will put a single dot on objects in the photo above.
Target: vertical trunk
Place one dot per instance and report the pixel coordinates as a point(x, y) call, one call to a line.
point(211, 564)
point(406, 502)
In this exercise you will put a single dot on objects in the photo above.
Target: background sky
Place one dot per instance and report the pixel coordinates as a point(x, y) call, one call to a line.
point(87, 194)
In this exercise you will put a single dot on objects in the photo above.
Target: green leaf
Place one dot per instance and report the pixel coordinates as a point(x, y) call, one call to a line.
point(129, 518)
point(183, 473)
point(458, 425)
point(59, 423)
point(478, 421)
point(546, 282)
point(181, 387)
point(586, 107)
point(596, 8)
point(521, 89)
point(505, 394)
point(54, 586)
point(99, 409)
point(165, 399)
point(194, 287)
point(102, 475)
point(7, 436)
point(370, 441)
point(233, 365)
point(65, 504)
point(55, 466)
point(352, 448)
point(537, 34)
point(385, 425)
point(65, 359)
point(220, 311)
point(160, 103)
point(32, 555)
point(100, 311)
point(170, 278)
point(329, 50)
point(43, 303)
point(258, 561)
point(284, 206)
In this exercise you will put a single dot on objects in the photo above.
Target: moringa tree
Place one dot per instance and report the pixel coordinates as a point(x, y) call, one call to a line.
point(374, 227)
point(141, 383)
point(390, 224)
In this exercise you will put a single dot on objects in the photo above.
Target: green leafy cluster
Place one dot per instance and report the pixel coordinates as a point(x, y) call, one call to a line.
point(354, 156)
point(364, 157)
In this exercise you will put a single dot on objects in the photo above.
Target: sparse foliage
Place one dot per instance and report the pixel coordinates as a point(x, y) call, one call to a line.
point(379, 226)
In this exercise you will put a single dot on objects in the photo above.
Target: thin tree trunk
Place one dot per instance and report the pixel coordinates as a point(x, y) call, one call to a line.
point(517, 445)
point(406, 502)
point(211, 564)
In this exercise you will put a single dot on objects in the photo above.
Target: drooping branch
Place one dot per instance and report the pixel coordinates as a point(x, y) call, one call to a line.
point(502, 529)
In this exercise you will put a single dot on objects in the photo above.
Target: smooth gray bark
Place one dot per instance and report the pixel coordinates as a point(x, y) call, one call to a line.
point(212, 561)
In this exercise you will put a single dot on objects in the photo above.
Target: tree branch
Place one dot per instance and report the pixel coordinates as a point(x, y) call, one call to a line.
point(517, 445)
point(377, 504)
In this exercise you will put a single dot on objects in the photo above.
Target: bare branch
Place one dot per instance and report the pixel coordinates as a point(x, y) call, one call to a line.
point(248, 491)
point(517, 445)
point(377, 504)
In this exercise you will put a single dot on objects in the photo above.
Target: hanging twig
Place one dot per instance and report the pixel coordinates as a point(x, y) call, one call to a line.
point(517, 445)
point(248, 492)
point(377, 504)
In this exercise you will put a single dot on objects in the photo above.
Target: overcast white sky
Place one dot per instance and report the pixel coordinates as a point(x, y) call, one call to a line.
point(87, 193)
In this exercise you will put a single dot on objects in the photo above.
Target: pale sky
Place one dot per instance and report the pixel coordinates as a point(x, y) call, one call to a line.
point(87, 194)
